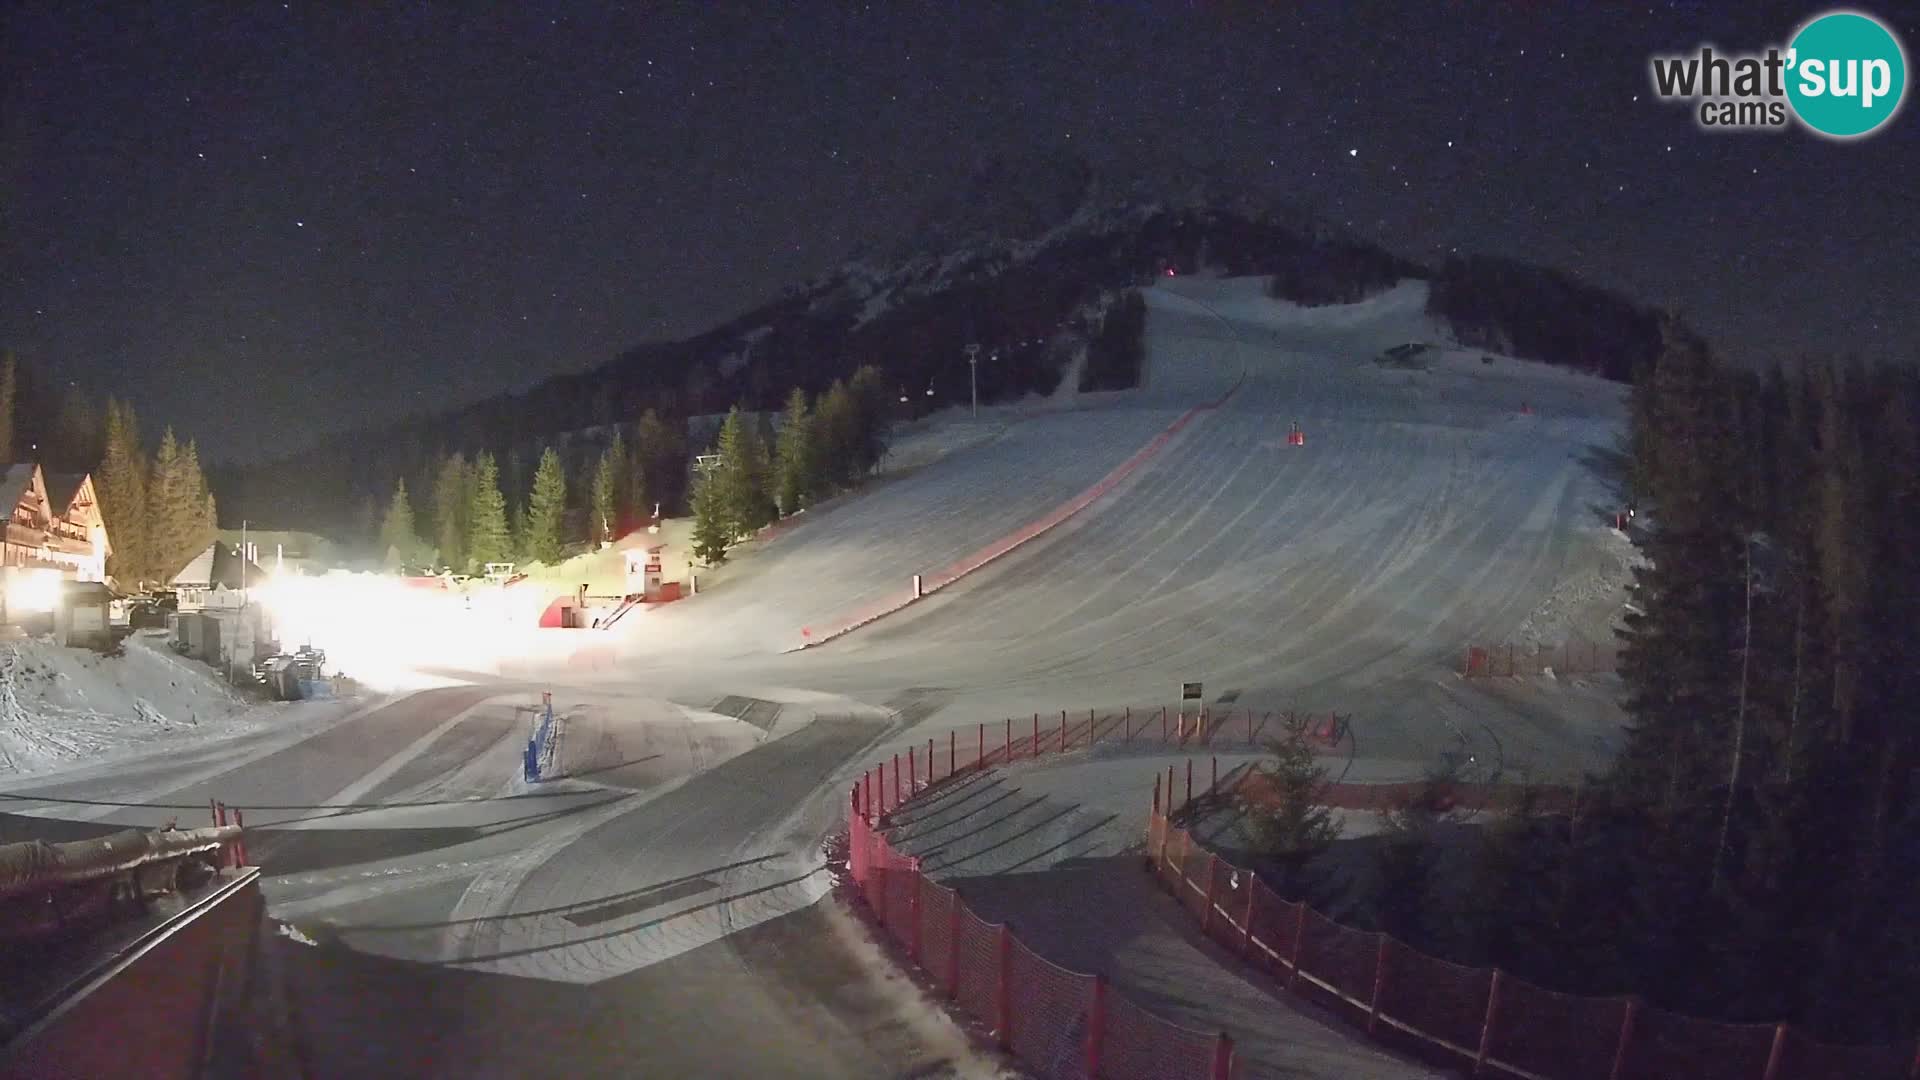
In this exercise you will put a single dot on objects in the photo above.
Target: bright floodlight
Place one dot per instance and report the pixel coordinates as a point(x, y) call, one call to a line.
point(33, 589)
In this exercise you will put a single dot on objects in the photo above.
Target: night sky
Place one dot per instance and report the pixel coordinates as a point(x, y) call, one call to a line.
point(267, 222)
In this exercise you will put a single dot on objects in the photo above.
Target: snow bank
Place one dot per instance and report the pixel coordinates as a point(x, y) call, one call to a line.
point(59, 706)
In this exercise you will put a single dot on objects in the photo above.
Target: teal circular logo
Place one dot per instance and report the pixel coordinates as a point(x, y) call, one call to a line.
point(1846, 74)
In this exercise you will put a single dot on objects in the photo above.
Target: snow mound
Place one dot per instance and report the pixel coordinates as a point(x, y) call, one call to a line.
point(60, 705)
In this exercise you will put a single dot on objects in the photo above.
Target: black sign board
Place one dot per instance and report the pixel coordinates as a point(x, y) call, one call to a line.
point(1190, 691)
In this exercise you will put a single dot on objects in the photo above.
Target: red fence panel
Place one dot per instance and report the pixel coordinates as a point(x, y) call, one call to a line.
point(1142, 1046)
point(1807, 1059)
point(1231, 888)
point(1667, 1044)
point(1548, 1033)
point(1274, 923)
point(1445, 1002)
point(1049, 1014)
point(979, 959)
point(902, 903)
point(1340, 956)
point(936, 931)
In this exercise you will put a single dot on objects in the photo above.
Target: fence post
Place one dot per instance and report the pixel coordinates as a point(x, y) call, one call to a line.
point(1096, 1023)
point(929, 761)
point(1163, 723)
point(1007, 750)
point(913, 772)
point(953, 947)
point(980, 759)
point(1189, 797)
point(1063, 731)
point(953, 743)
point(240, 844)
point(1299, 935)
point(1486, 1026)
point(1213, 876)
point(1126, 732)
point(1213, 785)
point(915, 942)
point(1003, 1007)
point(1090, 728)
point(1627, 1017)
point(213, 811)
point(1169, 791)
point(1223, 1057)
point(1379, 985)
point(1034, 750)
point(896, 781)
point(1776, 1053)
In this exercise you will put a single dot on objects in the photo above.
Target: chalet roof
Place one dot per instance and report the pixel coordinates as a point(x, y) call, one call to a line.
point(61, 488)
point(14, 484)
point(218, 565)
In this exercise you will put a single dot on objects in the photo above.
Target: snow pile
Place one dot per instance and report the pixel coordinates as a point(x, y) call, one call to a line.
point(60, 705)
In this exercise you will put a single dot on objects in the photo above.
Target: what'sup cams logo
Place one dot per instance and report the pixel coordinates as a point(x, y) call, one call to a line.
point(1842, 75)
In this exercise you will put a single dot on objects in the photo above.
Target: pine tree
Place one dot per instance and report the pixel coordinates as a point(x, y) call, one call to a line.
point(658, 469)
point(610, 486)
point(78, 434)
point(738, 477)
point(121, 485)
point(488, 538)
point(9, 376)
point(1290, 819)
point(398, 541)
point(837, 434)
point(872, 407)
point(712, 531)
point(170, 508)
point(547, 511)
point(796, 467)
point(202, 518)
point(452, 503)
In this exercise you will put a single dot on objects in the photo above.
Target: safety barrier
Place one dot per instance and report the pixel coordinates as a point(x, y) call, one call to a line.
point(1484, 1018)
point(537, 761)
point(1056, 1021)
point(927, 584)
point(1567, 658)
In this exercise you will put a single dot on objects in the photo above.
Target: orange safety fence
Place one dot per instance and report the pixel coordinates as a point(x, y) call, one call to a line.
point(1567, 658)
point(1057, 1021)
point(1490, 1021)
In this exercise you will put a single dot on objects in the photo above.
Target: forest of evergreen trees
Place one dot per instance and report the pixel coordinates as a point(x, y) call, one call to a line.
point(1754, 853)
point(157, 507)
point(477, 513)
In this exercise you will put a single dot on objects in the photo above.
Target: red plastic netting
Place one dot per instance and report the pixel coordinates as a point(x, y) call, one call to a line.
point(1142, 1046)
point(1049, 1013)
point(1274, 923)
point(1173, 855)
point(936, 932)
point(1190, 888)
point(902, 911)
point(979, 956)
point(1667, 1044)
point(1340, 956)
point(1445, 1002)
point(1555, 1034)
point(1807, 1059)
point(1231, 887)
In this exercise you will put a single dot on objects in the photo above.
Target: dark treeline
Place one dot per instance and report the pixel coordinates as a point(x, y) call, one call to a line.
point(1541, 314)
point(1754, 854)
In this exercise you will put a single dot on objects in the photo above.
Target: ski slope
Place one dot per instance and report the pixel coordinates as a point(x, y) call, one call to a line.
point(1428, 509)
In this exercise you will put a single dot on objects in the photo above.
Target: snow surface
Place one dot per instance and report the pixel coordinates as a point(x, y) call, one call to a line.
point(60, 706)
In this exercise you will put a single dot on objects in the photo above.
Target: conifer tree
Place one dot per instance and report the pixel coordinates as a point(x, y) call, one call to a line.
point(837, 431)
point(398, 541)
point(658, 455)
point(452, 503)
point(797, 457)
point(712, 531)
point(547, 511)
point(610, 492)
point(738, 477)
point(871, 406)
point(488, 539)
point(170, 508)
point(121, 485)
